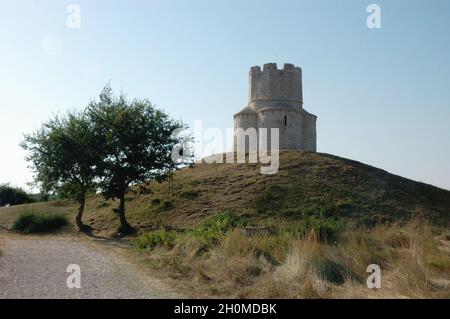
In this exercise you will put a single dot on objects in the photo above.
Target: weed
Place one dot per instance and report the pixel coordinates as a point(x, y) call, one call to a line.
point(326, 229)
point(214, 228)
point(150, 240)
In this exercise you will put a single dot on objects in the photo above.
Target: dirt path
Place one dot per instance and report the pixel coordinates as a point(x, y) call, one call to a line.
point(35, 267)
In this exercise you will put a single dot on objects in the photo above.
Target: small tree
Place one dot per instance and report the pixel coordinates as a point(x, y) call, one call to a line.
point(137, 143)
point(63, 153)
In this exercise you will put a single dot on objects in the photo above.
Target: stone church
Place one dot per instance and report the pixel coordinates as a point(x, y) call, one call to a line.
point(276, 101)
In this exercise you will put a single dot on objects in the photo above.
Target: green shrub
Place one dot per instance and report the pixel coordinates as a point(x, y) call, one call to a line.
point(13, 195)
point(150, 240)
point(326, 229)
point(214, 228)
point(32, 222)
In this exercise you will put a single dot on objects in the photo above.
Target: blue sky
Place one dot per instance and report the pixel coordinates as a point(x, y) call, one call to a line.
point(382, 95)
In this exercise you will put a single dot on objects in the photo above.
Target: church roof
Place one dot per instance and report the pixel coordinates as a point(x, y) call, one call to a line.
point(308, 114)
point(245, 110)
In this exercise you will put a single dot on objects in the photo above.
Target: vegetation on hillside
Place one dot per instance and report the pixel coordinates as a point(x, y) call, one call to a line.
point(285, 264)
point(112, 144)
point(10, 195)
point(307, 184)
point(310, 230)
point(137, 141)
point(63, 155)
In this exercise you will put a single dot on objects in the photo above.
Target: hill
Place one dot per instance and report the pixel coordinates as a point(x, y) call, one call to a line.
point(307, 183)
point(318, 244)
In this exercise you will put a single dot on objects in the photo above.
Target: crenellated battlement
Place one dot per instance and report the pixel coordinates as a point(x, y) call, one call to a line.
point(272, 67)
point(273, 84)
point(276, 101)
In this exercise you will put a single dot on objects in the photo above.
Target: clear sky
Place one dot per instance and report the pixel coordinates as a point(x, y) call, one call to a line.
point(382, 96)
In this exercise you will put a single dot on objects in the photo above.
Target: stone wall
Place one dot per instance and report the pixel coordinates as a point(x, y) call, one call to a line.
point(244, 121)
point(309, 135)
point(289, 124)
point(276, 101)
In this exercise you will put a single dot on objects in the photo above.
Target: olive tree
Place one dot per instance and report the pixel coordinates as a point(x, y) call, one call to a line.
point(136, 142)
point(63, 154)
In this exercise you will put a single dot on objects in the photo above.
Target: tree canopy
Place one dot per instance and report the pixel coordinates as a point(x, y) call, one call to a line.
point(64, 158)
point(135, 143)
point(112, 144)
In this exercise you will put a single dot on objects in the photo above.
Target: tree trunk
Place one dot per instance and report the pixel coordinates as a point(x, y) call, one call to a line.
point(81, 226)
point(124, 226)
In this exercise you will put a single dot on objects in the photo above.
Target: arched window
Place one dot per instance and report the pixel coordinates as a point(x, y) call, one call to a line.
point(285, 120)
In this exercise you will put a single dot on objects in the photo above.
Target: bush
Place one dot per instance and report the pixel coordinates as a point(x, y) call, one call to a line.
point(13, 195)
point(32, 222)
point(214, 228)
point(326, 229)
point(150, 240)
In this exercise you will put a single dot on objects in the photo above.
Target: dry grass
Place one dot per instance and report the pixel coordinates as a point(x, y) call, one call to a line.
point(412, 265)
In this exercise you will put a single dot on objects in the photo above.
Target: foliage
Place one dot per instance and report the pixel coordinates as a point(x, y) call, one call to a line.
point(63, 153)
point(136, 144)
point(207, 234)
point(13, 195)
point(150, 240)
point(214, 228)
point(113, 144)
point(326, 229)
point(71, 191)
point(283, 265)
point(32, 222)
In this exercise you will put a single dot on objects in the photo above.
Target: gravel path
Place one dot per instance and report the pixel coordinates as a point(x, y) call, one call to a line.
point(36, 268)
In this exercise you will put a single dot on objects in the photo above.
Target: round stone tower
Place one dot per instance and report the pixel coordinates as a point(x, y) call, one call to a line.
point(275, 88)
point(276, 101)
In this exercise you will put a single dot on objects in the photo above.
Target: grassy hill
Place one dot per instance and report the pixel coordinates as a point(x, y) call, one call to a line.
point(328, 218)
point(307, 183)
